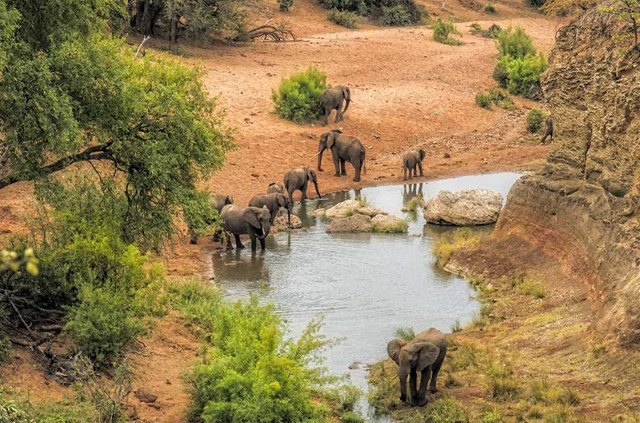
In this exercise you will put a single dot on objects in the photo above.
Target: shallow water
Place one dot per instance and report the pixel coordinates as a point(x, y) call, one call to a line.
point(365, 286)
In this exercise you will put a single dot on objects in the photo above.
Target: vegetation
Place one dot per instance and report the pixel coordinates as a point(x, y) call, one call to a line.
point(492, 32)
point(627, 11)
point(405, 333)
point(249, 371)
point(285, 5)
point(385, 12)
point(535, 121)
point(520, 66)
point(298, 96)
point(483, 100)
point(395, 227)
point(502, 383)
point(442, 32)
point(451, 242)
point(344, 18)
point(490, 8)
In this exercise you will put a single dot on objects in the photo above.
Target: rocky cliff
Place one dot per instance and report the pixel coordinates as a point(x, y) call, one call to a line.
point(582, 208)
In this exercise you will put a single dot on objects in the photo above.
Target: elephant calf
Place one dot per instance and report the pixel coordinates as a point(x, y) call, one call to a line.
point(332, 98)
point(412, 160)
point(275, 188)
point(424, 354)
point(548, 132)
point(254, 221)
point(273, 202)
point(297, 179)
point(343, 148)
point(218, 201)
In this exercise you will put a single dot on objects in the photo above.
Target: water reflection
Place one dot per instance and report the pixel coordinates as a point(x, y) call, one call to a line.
point(365, 285)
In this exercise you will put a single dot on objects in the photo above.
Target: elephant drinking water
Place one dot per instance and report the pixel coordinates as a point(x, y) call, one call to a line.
point(343, 148)
point(252, 221)
point(425, 354)
point(297, 179)
point(273, 202)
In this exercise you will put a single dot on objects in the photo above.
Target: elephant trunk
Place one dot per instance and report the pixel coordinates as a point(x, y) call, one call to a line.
point(320, 151)
point(315, 184)
point(402, 376)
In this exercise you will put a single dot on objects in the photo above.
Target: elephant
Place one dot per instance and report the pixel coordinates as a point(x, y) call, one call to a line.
point(273, 202)
point(240, 220)
point(412, 160)
point(297, 179)
point(424, 354)
point(332, 98)
point(218, 201)
point(548, 132)
point(343, 148)
point(276, 188)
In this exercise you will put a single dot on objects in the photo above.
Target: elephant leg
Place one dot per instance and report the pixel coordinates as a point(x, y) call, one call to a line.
point(343, 169)
point(239, 245)
point(358, 167)
point(404, 173)
point(262, 243)
point(415, 171)
point(420, 166)
point(422, 391)
point(289, 216)
point(434, 376)
point(413, 376)
point(229, 245)
point(327, 112)
point(303, 190)
point(253, 242)
point(336, 164)
point(339, 112)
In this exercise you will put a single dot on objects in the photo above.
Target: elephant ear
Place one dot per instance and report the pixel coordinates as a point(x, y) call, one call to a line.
point(251, 218)
point(422, 354)
point(422, 154)
point(331, 139)
point(393, 349)
point(228, 199)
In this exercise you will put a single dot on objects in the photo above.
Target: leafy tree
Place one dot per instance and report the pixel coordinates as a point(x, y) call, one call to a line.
point(69, 93)
point(627, 11)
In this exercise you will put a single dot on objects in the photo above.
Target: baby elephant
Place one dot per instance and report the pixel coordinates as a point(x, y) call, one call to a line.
point(548, 132)
point(424, 354)
point(240, 220)
point(273, 202)
point(332, 98)
point(410, 161)
point(275, 187)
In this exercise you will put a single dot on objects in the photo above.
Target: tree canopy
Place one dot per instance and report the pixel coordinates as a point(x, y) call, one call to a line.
point(70, 93)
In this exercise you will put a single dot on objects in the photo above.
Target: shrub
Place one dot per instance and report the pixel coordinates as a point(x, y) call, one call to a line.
point(396, 15)
point(351, 417)
point(492, 416)
point(10, 412)
point(405, 333)
point(483, 100)
point(515, 43)
point(535, 121)
point(285, 5)
point(389, 12)
point(490, 8)
point(442, 32)
point(446, 410)
point(501, 99)
point(5, 349)
point(542, 392)
point(492, 32)
point(500, 73)
point(451, 242)
point(502, 384)
point(298, 97)
point(523, 75)
point(533, 288)
point(346, 396)
point(344, 18)
point(66, 412)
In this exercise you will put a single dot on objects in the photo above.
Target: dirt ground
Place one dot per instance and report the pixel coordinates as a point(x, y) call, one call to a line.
point(408, 91)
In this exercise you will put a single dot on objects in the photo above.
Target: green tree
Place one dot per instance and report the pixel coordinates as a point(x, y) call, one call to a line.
point(71, 93)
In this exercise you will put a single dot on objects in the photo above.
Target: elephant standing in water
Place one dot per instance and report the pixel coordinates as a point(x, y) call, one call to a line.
point(548, 131)
point(273, 202)
point(424, 354)
point(343, 148)
point(412, 160)
point(332, 98)
point(297, 179)
point(240, 220)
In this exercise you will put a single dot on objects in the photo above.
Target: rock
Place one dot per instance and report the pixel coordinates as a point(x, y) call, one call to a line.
point(319, 212)
point(355, 223)
point(355, 365)
point(370, 211)
point(464, 208)
point(146, 395)
point(388, 223)
point(447, 155)
point(282, 223)
point(132, 412)
point(343, 209)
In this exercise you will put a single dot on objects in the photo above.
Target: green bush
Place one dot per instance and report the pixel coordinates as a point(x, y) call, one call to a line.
point(285, 5)
point(490, 8)
point(501, 99)
point(387, 12)
point(500, 72)
point(515, 43)
point(492, 416)
point(298, 97)
point(344, 18)
point(11, 412)
point(396, 15)
point(65, 412)
point(446, 410)
point(442, 32)
point(483, 100)
point(351, 417)
point(535, 121)
point(523, 75)
point(249, 372)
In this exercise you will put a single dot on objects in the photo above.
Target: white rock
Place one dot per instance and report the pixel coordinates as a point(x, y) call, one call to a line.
point(464, 208)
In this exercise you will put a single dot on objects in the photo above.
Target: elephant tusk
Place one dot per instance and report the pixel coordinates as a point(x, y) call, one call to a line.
point(318, 153)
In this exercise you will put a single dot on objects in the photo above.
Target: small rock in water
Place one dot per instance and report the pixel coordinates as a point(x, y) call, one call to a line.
point(355, 365)
point(355, 223)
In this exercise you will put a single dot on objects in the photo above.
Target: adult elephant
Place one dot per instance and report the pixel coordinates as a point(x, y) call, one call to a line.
point(333, 98)
point(297, 179)
point(412, 160)
point(343, 148)
point(273, 202)
point(275, 188)
point(548, 131)
point(218, 201)
point(252, 221)
point(424, 354)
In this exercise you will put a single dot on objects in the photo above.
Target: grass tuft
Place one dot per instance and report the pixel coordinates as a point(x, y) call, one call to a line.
point(452, 242)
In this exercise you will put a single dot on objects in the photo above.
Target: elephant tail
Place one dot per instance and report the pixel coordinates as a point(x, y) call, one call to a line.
point(364, 163)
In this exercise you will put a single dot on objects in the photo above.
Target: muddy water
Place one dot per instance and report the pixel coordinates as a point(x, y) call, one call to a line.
point(365, 286)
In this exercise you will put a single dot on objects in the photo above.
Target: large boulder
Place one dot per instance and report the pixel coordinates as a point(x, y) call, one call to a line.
point(464, 208)
point(281, 223)
point(355, 223)
point(388, 223)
